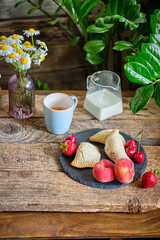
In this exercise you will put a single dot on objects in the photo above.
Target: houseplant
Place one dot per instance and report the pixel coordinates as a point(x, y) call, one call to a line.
point(143, 65)
point(21, 54)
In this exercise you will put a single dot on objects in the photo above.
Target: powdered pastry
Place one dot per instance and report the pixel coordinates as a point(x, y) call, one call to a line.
point(87, 155)
point(102, 135)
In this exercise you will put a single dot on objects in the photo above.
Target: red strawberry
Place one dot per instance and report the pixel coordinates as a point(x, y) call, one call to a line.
point(72, 138)
point(149, 179)
point(68, 148)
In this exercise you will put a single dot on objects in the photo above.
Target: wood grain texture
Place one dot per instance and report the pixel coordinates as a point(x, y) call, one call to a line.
point(79, 225)
point(32, 178)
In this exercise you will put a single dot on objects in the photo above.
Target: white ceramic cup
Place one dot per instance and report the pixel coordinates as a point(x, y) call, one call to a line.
point(59, 121)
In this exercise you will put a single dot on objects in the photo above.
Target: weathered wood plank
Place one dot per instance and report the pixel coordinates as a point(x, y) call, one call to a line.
point(151, 111)
point(8, 11)
point(35, 182)
point(34, 130)
point(79, 225)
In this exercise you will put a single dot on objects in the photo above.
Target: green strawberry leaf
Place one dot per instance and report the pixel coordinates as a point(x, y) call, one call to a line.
point(138, 73)
point(141, 98)
point(157, 94)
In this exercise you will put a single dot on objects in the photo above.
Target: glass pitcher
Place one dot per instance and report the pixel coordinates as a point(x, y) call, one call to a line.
point(103, 98)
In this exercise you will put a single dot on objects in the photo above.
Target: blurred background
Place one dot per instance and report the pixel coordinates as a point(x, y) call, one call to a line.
point(65, 67)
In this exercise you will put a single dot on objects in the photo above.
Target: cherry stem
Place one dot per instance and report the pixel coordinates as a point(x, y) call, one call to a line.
point(135, 138)
point(140, 137)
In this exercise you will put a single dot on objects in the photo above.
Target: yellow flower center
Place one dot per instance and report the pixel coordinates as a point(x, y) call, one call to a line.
point(4, 47)
point(43, 58)
point(31, 30)
point(27, 43)
point(15, 37)
point(12, 55)
point(3, 38)
point(44, 43)
point(15, 45)
point(20, 51)
point(29, 46)
point(24, 60)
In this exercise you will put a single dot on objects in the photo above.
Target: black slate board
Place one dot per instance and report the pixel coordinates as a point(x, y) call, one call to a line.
point(85, 176)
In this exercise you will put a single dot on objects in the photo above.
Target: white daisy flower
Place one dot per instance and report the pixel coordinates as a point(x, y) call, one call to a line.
point(5, 50)
point(3, 39)
point(24, 61)
point(15, 45)
point(39, 57)
point(43, 44)
point(31, 32)
point(19, 51)
point(28, 47)
point(15, 39)
point(12, 57)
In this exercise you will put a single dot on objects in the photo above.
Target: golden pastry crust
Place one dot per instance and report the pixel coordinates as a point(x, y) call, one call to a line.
point(102, 135)
point(87, 156)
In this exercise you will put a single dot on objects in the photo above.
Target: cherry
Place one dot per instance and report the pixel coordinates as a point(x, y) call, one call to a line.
point(130, 143)
point(139, 157)
point(131, 151)
point(72, 138)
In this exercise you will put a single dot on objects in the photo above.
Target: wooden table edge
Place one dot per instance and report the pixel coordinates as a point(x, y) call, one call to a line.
point(79, 225)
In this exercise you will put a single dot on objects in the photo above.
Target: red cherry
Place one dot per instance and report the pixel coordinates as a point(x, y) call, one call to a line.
point(72, 138)
point(130, 143)
point(131, 151)
point(139, 157)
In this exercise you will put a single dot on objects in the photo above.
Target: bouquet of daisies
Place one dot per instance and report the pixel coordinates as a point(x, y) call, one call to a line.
point(20, 54)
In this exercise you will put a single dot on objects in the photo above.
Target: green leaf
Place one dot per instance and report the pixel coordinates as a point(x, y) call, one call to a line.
point(53, 22)
point(157, 94)
point(32, 10)
point(155, 38)
point(94, 29)
point(86, 7)
point(141, 98)
point(94, 46)
point(145, 63)
point(138, 41)
point(19, 3)
point(74, 41)
point(155, 23)
point(41, 2)
point(38, 84)
point(122, 45)
point(94, 59)
point(137, 73)
point(46, 87)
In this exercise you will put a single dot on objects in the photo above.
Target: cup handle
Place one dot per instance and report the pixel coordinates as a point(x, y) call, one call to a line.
point(88, 81)
point(75, 101)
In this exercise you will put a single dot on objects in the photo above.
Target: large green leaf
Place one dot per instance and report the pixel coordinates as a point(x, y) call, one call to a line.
point(145, 63)
point(157, 94)
point(155, 38)
point(94, 46)
point(138, 73)
point(94, 59)
point(152, 61)
point(152, 49)
point(141, 98)
point(86, 7)
point(155, 23)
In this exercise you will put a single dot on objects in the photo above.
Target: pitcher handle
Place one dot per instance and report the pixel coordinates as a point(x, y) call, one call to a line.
point(88, 81)
point(75, 101)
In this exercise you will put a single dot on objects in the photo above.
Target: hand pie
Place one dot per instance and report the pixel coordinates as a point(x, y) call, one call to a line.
point(102, 135)
point(114, 146)
point(87, 155)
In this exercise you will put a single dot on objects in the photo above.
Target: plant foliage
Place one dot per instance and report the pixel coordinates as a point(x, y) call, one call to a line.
point(144, 68)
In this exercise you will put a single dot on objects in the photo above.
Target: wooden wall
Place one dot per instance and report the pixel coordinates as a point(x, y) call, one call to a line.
point(65, 66)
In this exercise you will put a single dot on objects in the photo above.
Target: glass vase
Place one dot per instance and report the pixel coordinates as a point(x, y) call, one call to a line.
point(21, 89)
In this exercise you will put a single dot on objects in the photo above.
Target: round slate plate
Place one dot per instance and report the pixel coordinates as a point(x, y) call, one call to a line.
point(85, 176)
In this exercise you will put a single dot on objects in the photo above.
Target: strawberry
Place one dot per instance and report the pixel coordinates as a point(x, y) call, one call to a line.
point(149, 179)
point(68, 148)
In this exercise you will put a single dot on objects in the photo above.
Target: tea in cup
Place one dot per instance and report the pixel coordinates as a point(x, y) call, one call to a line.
point(58, 111)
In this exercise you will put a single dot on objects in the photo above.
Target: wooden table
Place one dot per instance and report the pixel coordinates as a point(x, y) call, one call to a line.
point(39, 200)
